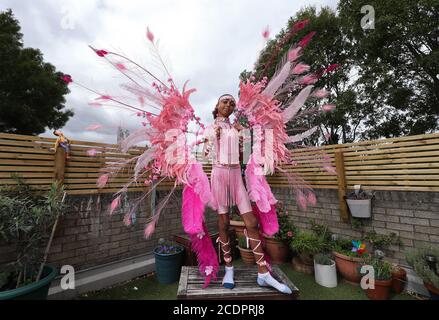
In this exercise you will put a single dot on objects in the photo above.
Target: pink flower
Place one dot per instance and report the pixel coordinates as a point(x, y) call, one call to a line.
point(208, 270)
point(300, 68)
point(101, 53)
point(290, 234)
point(149, 35)
point(328, 107)
point(67, 78)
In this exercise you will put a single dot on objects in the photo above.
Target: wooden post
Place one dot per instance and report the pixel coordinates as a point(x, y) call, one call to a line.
point(60, 166)
point(341, 180)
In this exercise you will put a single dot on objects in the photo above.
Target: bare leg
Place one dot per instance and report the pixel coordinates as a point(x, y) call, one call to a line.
point(223, 226)
point(251, 224)
point(264, 277)
point(224, 241)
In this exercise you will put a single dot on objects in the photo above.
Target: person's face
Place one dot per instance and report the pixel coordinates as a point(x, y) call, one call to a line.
point(226, 106)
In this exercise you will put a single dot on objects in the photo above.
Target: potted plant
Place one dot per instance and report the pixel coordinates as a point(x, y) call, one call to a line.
point(425, 263)
point(277, 247)
point(168, 261)
point(325, 272)
point(246, 252)
point(360, 203)
point(306, 244)
point(28, 219)
point(348, 256)
point(399, 278)
point(383, 279)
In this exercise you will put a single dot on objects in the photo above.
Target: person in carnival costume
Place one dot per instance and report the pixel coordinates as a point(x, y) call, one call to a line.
point(228, 190)
point(165, 114)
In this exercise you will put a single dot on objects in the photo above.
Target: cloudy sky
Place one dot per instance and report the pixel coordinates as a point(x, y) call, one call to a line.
point(206, 42)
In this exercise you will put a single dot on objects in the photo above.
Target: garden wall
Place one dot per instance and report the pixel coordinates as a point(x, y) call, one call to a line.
point(414, 216)
point(88, 236)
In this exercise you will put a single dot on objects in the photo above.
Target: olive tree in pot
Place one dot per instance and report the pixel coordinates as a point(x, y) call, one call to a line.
point(306, 245)
point(28, 219)
point(425, 262)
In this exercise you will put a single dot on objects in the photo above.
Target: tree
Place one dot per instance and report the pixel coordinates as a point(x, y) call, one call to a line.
point(31, 90)
point(387, 84)
point(398, 64)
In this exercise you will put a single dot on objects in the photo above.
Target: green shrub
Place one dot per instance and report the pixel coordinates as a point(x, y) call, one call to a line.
point(416, 259)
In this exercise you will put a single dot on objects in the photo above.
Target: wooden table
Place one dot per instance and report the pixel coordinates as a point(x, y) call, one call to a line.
point(246, 287)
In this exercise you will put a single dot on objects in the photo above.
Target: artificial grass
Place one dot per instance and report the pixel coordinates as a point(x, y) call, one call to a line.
point(148, 288)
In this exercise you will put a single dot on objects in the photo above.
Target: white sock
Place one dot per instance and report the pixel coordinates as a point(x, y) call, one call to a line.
point(265, 279)
point(228, 278)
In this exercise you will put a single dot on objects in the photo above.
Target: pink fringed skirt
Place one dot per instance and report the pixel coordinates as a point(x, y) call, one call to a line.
point(228, 189)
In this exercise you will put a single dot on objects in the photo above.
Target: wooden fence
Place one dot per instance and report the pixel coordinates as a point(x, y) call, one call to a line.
point(407, 163)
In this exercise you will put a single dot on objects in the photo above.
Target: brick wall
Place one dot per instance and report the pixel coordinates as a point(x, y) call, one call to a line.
point(87, 236)
point(414, 216)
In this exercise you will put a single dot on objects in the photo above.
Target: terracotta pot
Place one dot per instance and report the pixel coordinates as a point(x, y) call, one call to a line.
point(238, 227)
point(247, 256)
point(381, 291)
point(434, 292)
point(302, 266)
point(277, 250)
point(399, 279)
point(348, 267)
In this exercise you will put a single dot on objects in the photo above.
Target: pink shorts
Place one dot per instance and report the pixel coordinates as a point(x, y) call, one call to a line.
point(228, 189)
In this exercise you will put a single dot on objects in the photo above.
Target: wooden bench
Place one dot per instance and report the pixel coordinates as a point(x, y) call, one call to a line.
point(246, 287)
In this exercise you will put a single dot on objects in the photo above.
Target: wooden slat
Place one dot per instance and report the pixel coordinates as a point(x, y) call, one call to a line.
point(24, 156)
point(27, 150)
point(26, 163)
point(25, 168)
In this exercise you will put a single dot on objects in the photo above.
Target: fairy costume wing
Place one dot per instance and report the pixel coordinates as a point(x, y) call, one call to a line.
point(268, 117)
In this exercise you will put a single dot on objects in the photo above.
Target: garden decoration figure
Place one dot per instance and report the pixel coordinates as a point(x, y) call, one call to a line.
point(166, 116)
point(62, 142)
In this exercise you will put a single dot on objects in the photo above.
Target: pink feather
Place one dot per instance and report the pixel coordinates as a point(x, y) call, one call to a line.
point(149, 35)
point(102, 181)
point(93, 127)
point(206, 255)
point(258, 189)
point(114, 204)
point(149, 230)
point(300, 68)
point(192, 211)
point(328, 107)
point(298, 103)
point(92, 152)
point(278, 80)
point(294, 54)
point(268, 220)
